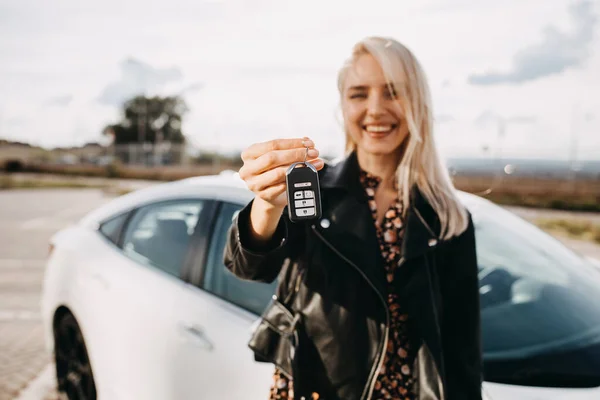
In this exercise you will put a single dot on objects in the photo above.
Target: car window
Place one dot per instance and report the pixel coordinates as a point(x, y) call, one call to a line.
point(112, 227)
point(252, 296)
point(159, 235)
point(537, 297)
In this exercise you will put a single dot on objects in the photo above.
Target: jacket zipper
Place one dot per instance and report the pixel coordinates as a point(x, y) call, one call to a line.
point(373, 375)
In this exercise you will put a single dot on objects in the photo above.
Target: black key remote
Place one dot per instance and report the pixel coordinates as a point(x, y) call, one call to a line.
point(303, 193)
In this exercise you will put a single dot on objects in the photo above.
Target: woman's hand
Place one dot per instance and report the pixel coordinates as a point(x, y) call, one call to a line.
point(265, 165)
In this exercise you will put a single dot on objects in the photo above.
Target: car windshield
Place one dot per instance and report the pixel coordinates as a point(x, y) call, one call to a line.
point(537, 297)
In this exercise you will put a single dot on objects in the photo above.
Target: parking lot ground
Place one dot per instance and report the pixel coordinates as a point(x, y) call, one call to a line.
point(28, 218)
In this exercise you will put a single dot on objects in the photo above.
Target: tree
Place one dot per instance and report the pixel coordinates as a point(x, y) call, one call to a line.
point(150, 119)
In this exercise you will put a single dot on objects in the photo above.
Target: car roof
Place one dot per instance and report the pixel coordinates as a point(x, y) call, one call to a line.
point(227, 186)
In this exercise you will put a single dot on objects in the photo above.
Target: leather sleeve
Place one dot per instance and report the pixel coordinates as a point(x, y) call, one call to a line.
point(461, 320)
point(247, 261)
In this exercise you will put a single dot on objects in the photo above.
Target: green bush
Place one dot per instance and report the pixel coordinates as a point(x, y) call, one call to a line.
point(6, 182)
point(584, 230)
point(113, 170)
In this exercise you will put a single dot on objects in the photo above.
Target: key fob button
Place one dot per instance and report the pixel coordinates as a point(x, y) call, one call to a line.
point(298, 195)
point(309, 194)
point(305, 212)
point(304, 203)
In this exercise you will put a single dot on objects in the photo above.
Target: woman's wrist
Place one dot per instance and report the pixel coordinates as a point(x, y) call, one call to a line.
point(264, 218)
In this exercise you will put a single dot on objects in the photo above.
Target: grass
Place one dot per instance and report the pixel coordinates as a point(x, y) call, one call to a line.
point(582, 194)
point(551, 193)
point(6, 182)
point(554, 201)
point(119, 190)
point(582, 230)
point(162, 173)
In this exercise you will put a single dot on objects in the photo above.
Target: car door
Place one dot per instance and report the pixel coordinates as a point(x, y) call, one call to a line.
point(143, 282)
point(214, 362)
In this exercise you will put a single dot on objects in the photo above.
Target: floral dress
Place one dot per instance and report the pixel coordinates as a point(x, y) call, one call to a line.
point(395, 380)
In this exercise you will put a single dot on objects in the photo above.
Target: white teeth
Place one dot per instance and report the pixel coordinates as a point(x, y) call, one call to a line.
point(378, 128)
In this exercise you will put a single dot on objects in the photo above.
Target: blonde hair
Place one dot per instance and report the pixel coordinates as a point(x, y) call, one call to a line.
point(420, 164)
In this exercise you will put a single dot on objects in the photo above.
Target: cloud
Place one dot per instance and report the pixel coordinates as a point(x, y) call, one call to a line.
point(557, 52)
point(15, 122)
point(442, 118)
point(486, 117)
point(192, 88)
point(137, 78)
point(60, 101)
point(522, 119)
point(489, 116)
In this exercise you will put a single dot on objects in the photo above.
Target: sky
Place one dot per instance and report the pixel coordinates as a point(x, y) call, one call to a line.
point(511, 78)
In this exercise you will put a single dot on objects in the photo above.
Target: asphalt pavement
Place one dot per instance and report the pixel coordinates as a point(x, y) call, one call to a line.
point(28, 218)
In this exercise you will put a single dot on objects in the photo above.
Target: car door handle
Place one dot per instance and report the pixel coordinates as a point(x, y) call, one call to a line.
point(196, 335)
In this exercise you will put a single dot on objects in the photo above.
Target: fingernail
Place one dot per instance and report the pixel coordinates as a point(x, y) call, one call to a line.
point(308, 143)
point(313, 153)
point(317, 163)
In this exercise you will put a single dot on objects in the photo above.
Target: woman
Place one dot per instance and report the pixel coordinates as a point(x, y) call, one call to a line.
point(388, 293)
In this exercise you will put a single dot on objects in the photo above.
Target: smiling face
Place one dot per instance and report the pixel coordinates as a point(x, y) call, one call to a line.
point(372, 111)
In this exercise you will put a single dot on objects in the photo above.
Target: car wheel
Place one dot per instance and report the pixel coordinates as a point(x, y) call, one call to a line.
point(73, 369)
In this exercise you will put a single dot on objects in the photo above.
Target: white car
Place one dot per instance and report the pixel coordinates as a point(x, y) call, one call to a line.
point(138, 305)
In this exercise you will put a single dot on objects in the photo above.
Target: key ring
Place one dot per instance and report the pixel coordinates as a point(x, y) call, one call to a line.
point(306, 155)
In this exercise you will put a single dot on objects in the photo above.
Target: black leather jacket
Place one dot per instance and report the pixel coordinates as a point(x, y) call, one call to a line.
point(343, 292)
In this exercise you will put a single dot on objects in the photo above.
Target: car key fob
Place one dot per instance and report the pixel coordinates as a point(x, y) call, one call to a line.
point(303, 194)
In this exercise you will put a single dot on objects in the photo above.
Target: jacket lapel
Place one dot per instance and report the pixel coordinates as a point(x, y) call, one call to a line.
point(421, 227)
point(350, 227)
